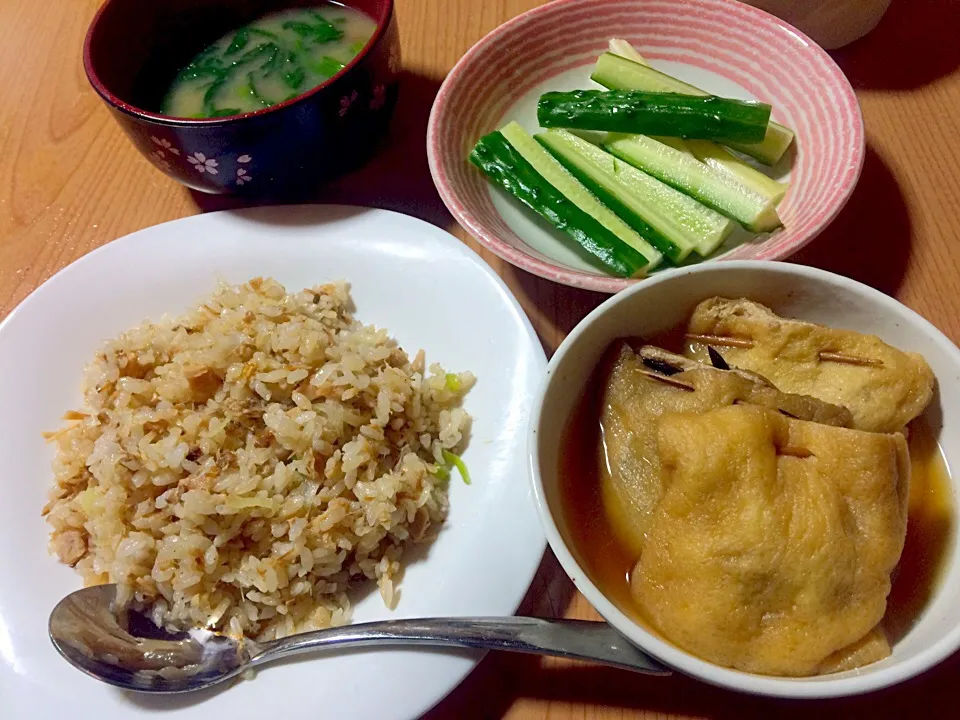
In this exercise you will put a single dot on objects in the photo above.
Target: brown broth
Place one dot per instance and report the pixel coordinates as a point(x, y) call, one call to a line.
point(608, 562)
point(930, 528)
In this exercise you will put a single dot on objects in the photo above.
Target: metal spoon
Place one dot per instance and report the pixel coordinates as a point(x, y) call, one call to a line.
point(107, 644)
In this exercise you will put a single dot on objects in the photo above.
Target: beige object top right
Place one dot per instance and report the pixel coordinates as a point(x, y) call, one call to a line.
point(831, 23)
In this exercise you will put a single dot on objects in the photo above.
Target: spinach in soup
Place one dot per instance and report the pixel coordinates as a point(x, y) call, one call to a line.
point(273, 59)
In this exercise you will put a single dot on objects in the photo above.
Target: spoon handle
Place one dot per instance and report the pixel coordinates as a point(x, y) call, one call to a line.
point(583, 640)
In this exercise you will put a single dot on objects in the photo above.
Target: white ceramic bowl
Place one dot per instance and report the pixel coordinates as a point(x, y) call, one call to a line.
point(794, 291)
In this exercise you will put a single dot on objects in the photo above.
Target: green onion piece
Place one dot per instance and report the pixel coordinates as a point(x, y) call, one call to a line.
point(325, 26)
point(245, 92)
point(239, 41)
point(323, 32)
point(442, 473)
point(273, 63)
point(224, 112)
point(455, 460)
point(327, 66)
point(295, 78)
point(256, 93)
point(453, 382)
point(210, 95)
point(357, 46)
point(263, 33)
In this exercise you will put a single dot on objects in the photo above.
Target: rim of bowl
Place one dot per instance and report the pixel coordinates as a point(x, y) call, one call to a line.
point(122, 105)
point(663, 650)
point(551, 270)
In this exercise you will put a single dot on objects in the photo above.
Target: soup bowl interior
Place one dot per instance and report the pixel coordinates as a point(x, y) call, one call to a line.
point(135, 48)
point(791, 290)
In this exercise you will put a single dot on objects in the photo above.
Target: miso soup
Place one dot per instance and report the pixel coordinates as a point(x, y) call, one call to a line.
point(273, 59)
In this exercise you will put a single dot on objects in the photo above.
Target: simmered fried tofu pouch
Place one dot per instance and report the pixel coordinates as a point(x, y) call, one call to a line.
point(639, 388)
point(774, 539)
point(885, 391)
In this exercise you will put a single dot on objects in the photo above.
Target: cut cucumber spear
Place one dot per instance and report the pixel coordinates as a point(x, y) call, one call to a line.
point(516, 162)
point(619, 73)
point(625, 50)
point(556, 175)
point(709, 152)
point(718, 158)
point(713, 188)
point(501, 162)
point(654, 113)
point(673, 222)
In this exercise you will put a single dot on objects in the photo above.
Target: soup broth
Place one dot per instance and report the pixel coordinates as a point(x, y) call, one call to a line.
point(271, 60)
point(604, 551)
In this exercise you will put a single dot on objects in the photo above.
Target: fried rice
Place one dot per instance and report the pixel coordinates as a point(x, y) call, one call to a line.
point(245, 466)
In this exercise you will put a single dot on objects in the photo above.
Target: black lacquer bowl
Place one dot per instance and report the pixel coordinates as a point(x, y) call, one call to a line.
point(134, 49)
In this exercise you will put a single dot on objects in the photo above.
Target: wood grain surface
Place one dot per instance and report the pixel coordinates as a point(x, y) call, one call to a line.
point(70, 182)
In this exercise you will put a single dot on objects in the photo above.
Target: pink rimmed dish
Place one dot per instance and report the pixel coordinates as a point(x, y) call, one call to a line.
point(722, 46)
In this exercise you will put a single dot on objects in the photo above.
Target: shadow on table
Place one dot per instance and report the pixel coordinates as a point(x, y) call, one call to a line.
point(397, 178)
point(914, 44)
point(501, 683)
point(587, 686)
point(871, 240)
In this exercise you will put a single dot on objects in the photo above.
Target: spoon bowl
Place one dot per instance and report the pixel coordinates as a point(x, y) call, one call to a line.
point(122, 648)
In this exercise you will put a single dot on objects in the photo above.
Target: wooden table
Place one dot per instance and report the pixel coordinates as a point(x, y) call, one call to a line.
point(70, 182)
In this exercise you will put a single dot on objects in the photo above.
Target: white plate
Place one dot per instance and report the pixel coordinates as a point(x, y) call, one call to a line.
point(430, 291)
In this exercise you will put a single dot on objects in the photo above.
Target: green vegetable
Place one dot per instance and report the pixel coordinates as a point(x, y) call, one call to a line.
point(321, 32)
point(295, 77)
point(714, 189)
point(288, 52)
point(719, 159)
point(256, 93)
point(239, 41)
point(705, 151)
point(326, 24)
point(225, 112)
point(649, 113)
point(554, 173)
point(210, 96)
point(501, 162)
point(262, 33)
point(672, 221)
point(455, 460)
point(452, 382)
point(620, 73)
point(269, 51)
point(358, 46)
point(327, 66)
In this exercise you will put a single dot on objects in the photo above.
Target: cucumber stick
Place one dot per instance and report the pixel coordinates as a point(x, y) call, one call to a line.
point(554, 173)
point(617, 72)
point(718, 158)
point(504, 165)
point(713, 188)
point(626, 50)
point(655, 113)
point(670, 220)
point(681, 144)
